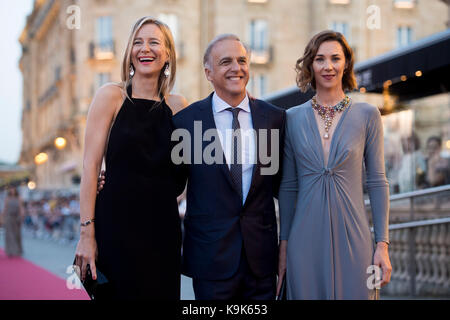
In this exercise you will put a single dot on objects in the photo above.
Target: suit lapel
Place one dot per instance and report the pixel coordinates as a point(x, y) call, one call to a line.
point(207, 116)
point(259, 120)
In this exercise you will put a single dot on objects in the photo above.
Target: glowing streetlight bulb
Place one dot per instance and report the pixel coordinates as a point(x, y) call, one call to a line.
point(31, 185)
point(60, 143)
point(41, 158)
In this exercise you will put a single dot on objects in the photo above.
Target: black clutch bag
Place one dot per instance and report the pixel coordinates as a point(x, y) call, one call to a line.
point(282, 294)
point(96, 288)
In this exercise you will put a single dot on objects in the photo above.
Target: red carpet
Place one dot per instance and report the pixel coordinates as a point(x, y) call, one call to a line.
point(23, 280)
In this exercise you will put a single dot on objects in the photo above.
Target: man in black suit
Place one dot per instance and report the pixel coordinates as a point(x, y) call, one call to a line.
point(230, 247)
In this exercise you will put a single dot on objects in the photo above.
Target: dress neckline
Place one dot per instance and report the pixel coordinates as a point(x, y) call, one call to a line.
point(318, 136)
point(145, 102)
point(130, 94)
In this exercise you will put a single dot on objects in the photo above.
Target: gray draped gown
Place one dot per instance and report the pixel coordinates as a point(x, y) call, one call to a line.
point(322, 212)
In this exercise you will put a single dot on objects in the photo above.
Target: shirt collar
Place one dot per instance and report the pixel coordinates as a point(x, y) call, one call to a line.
point(219, 105)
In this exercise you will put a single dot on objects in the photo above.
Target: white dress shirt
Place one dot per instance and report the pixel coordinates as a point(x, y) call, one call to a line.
point(224, 119)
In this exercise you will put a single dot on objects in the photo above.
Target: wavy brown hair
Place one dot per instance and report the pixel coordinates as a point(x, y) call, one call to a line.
point(305, 73)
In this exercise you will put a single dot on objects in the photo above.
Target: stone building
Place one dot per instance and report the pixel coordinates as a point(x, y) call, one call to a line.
point(71, 47)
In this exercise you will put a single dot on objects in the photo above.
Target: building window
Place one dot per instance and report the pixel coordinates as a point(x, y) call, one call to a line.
point(102, 78)
point(404, 36)
point(72, 55)
point(341, 27)
point(258, 35)
point(57, 73)
point(262, 85)
point(102, 48)
point(261, 52)
point(257, 85)
point(404, 4)
point(104, 33)
point(171, 20)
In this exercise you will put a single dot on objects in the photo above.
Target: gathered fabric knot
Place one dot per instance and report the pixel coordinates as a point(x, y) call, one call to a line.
point(327, 171)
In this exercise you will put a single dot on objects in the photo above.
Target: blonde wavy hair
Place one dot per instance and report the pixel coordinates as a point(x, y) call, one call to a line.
point(305, 73)
point(165, 84)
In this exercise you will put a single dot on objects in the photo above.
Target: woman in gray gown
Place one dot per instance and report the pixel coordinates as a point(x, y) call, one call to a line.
point(326, 247)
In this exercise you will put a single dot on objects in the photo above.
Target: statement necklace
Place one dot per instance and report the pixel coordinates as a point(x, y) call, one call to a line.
point(327, 113)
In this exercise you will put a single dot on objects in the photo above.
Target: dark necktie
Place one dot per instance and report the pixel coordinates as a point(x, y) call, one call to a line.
point(236, 156)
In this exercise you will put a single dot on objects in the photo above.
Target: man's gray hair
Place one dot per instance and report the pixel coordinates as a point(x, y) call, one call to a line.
point(217, 39)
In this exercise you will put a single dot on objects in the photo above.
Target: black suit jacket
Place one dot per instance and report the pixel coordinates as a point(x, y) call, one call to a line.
point(216, 223)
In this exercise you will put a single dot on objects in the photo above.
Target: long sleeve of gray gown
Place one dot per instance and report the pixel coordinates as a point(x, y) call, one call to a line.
point(377, 184)
point(288, 188)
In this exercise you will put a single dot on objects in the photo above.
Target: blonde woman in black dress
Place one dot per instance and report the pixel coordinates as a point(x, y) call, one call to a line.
point(131, 230)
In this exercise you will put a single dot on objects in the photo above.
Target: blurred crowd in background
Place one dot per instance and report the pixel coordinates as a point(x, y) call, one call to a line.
point(56, 216)
point(410, 167)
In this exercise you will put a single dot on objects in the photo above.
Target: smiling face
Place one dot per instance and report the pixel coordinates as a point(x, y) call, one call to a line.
point(329, 65)
point(149, 53)
point(227, 69)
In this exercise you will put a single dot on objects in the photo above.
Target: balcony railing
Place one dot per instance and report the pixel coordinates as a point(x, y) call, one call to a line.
point(102, 50)
point(339, 1)
point(404, 4)
point(261, 55)
point(420, 250)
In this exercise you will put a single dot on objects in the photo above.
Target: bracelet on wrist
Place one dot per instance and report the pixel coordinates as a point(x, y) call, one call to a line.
point(88, 222)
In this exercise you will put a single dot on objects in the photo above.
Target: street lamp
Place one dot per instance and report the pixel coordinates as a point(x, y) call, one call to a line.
point(60, 143)
point(31, 185)
point(41, 158)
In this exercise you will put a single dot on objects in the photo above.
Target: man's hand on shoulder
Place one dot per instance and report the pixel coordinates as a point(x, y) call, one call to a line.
point(100, 181)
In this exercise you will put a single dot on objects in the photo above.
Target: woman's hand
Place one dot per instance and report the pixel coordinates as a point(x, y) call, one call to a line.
point(381, 259)
point(281, 264)
point(86, 254)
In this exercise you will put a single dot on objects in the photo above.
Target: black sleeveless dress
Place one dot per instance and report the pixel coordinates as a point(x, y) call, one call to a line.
point(137, 225)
